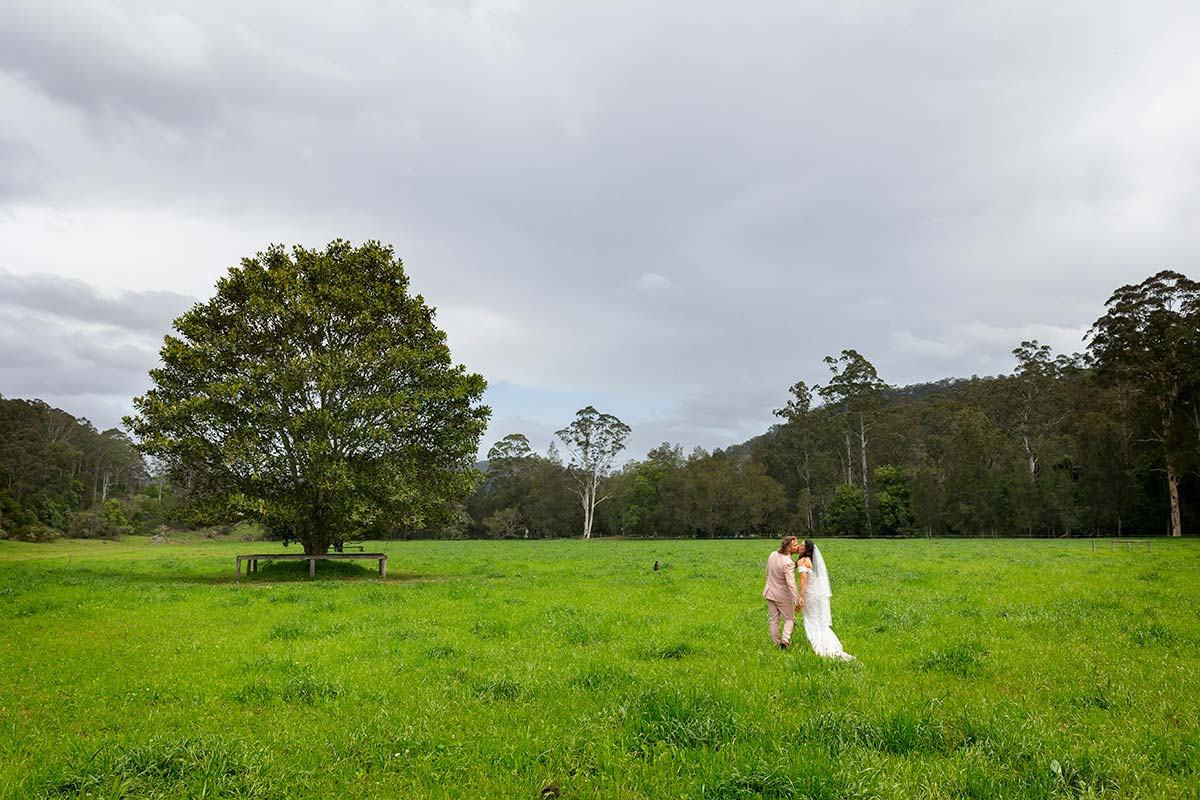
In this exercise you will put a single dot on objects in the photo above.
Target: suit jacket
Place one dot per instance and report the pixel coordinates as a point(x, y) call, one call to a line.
point(781, 579)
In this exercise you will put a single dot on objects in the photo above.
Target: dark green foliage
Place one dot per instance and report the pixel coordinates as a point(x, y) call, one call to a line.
point(314, 392)
point(34, 532)
point(892, 501)
point(522, 495)
point(53, 465)
point(846, 516)
point(1148, 344)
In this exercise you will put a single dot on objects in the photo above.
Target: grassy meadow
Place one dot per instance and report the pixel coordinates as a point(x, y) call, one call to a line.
point(1024, 669)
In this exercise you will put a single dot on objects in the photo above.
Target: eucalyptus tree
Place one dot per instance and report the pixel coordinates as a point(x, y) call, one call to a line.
point(508, 455)
point(797, 439)
point(593, 441)
point(1039, 407)
point(856, 389)
point(1150, 340)
point(505, 486)
point(315, 393)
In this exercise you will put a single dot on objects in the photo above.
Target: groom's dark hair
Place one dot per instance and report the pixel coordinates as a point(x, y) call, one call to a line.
point(786, 542)
point(807, 551)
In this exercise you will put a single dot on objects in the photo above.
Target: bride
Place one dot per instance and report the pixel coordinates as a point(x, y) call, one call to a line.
point(814, 597)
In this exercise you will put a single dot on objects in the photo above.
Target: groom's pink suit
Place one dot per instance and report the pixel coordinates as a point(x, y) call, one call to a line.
point(781, 594)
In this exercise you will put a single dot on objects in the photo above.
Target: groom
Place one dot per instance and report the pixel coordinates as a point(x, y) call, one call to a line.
point(783, 599)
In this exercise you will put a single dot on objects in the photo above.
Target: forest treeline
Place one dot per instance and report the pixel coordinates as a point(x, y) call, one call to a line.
point(1045, 451)
point(1104, 442)
point(59, 475)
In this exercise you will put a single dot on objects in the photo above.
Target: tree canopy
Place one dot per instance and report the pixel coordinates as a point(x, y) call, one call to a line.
point(1149, 340)
point(315, 393)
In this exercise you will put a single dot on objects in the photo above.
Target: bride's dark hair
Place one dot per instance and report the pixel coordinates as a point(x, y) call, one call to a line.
point(807, 552)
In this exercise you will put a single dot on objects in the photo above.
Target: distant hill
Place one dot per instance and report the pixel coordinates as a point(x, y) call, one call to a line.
point(920, 391)
point(913, 391)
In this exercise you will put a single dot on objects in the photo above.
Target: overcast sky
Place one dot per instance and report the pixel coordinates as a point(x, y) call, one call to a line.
point(670, 210)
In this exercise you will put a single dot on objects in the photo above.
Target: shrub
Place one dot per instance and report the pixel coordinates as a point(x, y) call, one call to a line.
point(12, 514)
point(34, 532)
point(846, 515)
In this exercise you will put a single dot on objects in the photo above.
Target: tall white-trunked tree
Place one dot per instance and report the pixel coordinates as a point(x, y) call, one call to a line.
point(593, 440)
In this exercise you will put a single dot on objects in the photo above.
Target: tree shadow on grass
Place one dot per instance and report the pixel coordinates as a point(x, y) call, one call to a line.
point(269, 573)
point(293, 571)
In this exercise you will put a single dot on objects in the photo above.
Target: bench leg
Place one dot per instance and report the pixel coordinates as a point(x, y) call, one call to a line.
point(239, 569)
point(383, 568)
point(312, 567)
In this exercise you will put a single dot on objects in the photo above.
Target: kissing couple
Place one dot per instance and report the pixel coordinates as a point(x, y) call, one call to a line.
point(811, 597)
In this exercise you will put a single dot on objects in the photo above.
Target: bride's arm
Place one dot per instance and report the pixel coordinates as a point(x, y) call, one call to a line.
point(803, 586)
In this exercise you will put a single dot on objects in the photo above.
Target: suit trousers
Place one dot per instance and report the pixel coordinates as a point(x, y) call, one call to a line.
point(786, 611)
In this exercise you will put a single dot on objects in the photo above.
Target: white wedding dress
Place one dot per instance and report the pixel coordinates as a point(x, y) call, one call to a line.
point(818, 620)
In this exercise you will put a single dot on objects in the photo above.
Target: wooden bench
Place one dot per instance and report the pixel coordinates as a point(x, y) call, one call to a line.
point(253, 559)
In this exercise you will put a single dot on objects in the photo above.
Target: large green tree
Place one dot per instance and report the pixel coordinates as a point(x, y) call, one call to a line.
point(1150, 340)
point(315, 393)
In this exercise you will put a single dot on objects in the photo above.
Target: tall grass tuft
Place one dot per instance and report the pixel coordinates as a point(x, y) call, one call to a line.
point(678, 718)
point(165, 767)
point(965, 659)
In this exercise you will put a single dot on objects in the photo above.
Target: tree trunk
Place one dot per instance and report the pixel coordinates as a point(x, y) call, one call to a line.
point(862, 438)
point(1173, 490)
point(585, 497)
point(849, 460)
point(1196, 421)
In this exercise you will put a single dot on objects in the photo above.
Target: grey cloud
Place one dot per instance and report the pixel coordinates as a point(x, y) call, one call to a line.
point(139, 62)
point(916, 181)
point(147, 312)
point(65, 342)
point(44, 356)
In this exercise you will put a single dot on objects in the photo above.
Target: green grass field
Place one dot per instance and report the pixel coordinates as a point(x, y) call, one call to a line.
point(491, 669)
